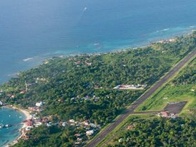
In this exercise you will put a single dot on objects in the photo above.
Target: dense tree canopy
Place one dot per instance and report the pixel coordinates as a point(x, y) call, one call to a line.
point(188, 76)
point(81, 87)
point(158, 132)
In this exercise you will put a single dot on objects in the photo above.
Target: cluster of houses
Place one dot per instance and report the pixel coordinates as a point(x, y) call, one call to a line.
point(85, 63)
point(37, 107)
point(88, 127)
point(94, 98)
point(167, 114)
point(167, 40)
point(39, 80)
point(131, 87)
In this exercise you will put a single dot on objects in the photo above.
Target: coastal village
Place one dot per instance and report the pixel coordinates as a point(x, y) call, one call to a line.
point(86, 129)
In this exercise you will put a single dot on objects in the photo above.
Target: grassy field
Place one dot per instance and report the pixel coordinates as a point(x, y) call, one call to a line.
point(173, 93)
point(170, 92)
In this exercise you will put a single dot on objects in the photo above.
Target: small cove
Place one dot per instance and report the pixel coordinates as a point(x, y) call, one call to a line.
point(13, 118)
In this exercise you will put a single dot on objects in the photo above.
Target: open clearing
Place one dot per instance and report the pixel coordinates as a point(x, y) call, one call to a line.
point(175, 107)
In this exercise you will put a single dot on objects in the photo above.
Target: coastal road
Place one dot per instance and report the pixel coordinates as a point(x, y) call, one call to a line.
point(141, 99)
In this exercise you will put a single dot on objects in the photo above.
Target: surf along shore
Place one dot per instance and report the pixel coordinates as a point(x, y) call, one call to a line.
point(27, 112)
point(22, 129)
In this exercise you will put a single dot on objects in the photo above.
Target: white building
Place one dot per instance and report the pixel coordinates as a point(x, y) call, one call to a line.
point(90, 132)
point(39, 104)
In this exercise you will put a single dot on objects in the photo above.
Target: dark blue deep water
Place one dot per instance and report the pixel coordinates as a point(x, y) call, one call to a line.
point(32, 30)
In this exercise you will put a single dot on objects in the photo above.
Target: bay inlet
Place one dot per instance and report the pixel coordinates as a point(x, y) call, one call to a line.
point(12, 120)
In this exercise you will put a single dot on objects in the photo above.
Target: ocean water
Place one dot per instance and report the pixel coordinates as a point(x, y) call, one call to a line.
point(33, 30)
point(14, 118)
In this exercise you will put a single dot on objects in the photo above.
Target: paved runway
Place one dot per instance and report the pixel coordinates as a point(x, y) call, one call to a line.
point(142, 98)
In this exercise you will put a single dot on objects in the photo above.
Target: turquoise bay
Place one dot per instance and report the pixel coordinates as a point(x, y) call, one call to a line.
point(33, 30)
point(13, 118)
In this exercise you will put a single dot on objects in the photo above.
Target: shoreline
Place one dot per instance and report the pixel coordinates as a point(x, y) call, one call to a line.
point(142, 44)
point(27, 115)
point(171, 38)
point(27, 112)
point(24, 111)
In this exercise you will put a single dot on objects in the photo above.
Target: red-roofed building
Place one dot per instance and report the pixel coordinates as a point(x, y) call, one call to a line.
point(29, 122)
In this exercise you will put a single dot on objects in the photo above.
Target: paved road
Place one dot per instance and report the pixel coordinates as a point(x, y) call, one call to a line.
point(140, 100)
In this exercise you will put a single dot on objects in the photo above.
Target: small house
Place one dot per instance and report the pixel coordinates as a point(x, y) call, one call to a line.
point(39, 104)
point(89, 133)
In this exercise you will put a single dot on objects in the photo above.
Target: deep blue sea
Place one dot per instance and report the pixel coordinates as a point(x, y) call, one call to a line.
point(33, 30)
point(11, 117)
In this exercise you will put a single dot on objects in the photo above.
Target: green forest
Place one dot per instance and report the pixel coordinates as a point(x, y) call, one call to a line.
point(82, 88)
point(157, 132)
point(181, 88)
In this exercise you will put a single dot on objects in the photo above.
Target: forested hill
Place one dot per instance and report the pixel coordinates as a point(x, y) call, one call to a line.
point(82, 87)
